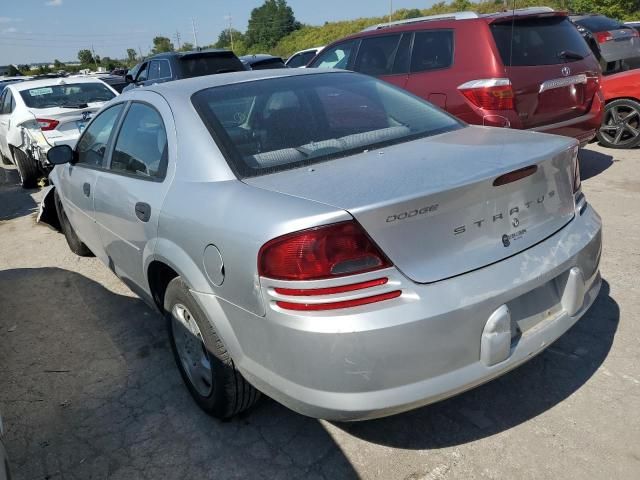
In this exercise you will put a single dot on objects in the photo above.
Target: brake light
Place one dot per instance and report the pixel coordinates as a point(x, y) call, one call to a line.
point(323, 252)
point(46, 124)
point(489, 93)
point(602, 37)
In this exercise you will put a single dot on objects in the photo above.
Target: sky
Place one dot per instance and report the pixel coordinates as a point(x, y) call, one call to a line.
point(44, 30)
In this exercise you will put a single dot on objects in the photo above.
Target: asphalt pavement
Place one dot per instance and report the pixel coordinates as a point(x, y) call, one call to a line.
point(89, 389)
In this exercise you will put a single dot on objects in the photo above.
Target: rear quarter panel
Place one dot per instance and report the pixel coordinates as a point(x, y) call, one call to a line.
point(621, 85)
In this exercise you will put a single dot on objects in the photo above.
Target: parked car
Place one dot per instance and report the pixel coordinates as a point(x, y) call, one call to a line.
point(262, 62)
point(117, 82)
point(612, 42)
point(4, 83)
point(38, 114)
point(621, 121)
point(303, 57)
point(531, 70)
point(121, 72)
point(5, 474)
point(635, 25)
point(166, 67)
point(329, 239)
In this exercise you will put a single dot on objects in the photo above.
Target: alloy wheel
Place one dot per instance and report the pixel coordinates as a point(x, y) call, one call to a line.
point(621, 125)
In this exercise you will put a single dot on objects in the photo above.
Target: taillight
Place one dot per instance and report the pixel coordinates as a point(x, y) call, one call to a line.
point(47, 124)
point(489, 93)
point(318, 253)
point(602, 37)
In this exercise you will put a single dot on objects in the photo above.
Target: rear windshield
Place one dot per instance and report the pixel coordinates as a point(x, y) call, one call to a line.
point(598, 23)
point(72, 95)
point(200, 65)
point(267, 64)
point(539, 41)
point(270, 125)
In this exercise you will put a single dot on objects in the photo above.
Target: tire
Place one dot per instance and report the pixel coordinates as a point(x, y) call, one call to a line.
point(5, 160)
point(75, 244)
point(620, 124)
point(221, 390)
point(27, 169)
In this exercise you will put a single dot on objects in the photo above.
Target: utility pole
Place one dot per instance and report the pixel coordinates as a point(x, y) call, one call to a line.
point(140, 52)
point(195, 32)
point(228, 18)
point(178, 39)
point(93, 52)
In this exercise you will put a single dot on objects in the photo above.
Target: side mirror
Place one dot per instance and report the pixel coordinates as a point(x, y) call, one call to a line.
point(128, 78)
point(60, 154)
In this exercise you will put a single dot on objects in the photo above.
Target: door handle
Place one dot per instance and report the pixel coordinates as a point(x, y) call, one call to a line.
point(86, 189)
point(143, 211)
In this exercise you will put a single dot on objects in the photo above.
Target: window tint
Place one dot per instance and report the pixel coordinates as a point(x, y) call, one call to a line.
point(92, 145)
point(275, 124)
point(432, 50)
point(143, 74)
point(376, 55)
point(141, 147)
point(199, 65)
point(296, 61)
point(154, 70)
point(598, 23)
point(336, 57)
point(401, 62)
point(538, 41)
point(2, 96)
point(159, 69)
point(73, 95)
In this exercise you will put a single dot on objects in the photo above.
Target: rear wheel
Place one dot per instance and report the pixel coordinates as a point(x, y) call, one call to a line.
point(75, 244)
point(27, 169)
point(620, 124)
point(204, 363)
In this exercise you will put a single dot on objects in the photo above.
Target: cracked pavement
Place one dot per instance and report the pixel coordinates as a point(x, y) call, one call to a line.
point(89, 388)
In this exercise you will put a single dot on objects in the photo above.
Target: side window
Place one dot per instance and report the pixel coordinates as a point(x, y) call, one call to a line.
point(376, 55)
point(403, 55)
point(336, 57)
point(143, 74)
point(154, 70)
point(296, 61)
point(2, 97)
point(8, 103)
point(432, 50)
point(92, 145)
point(164, 70)
point(141, 147)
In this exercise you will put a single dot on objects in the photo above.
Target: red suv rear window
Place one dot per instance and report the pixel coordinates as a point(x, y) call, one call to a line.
point(538, 41)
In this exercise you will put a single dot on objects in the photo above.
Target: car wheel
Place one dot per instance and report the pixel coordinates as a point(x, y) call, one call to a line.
point(5, 160)
point(620, 124)
point(75, 244)
point(204, 363)
point(27, 169)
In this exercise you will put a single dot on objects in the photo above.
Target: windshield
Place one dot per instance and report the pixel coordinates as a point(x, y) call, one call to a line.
point(270, 125)
point(73, 95)
point(598, 23)
point(539, 41)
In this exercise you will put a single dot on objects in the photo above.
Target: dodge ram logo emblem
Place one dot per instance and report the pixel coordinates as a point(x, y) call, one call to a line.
point(566, 71)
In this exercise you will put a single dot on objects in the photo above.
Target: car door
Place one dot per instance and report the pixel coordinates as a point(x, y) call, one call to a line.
point(77, 180)
point(6, 108)
point(130, 192)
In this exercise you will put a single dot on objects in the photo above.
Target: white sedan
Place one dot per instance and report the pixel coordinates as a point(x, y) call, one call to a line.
point(39, 114)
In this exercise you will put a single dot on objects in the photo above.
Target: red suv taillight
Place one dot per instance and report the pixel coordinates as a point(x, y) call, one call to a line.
point(319, 253)
point(47, 124)
point(489, 93)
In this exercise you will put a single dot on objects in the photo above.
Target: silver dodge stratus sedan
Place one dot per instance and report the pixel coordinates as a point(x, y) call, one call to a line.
point(330, 240)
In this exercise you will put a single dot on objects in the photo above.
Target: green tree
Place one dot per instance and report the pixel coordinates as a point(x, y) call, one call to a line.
point(131, 56)
point(58, 64)
point(224, 39)
point(161, 45)
point(269, 23)
point(85, 56)
point(620, 9)
point(187, 47)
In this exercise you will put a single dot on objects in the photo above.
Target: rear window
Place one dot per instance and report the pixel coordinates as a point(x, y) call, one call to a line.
point(598, 23)
point(267, 64)
point(276, 124)
point(538, 41)
point(200, 65)
point(72, 95)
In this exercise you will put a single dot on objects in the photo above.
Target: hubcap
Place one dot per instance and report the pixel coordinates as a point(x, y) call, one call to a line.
point(191, 350)
point(621, 125)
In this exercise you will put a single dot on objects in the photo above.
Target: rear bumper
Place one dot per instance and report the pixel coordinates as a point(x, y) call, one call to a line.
point(433, 342)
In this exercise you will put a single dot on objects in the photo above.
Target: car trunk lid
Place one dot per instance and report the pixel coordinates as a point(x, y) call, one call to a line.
point(431, 205)
point(71, 122)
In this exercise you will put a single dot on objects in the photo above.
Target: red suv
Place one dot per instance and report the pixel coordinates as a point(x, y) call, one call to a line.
point(528, 69)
